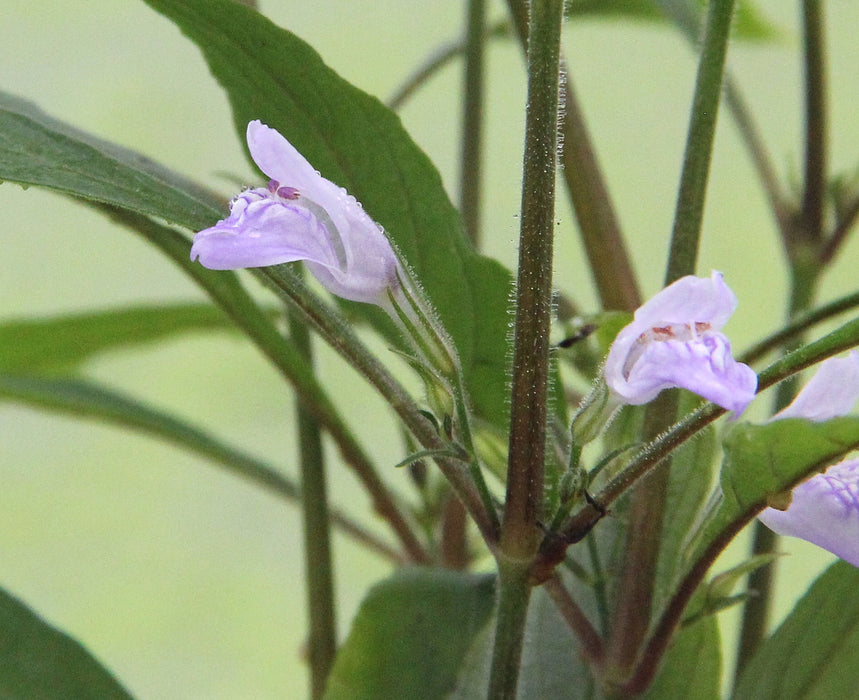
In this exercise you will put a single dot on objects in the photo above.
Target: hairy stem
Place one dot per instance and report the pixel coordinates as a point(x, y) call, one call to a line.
point(520, 534)
point(602, 238)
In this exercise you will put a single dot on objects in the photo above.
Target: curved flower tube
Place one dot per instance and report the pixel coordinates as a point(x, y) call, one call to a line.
point(674, 341)
point(300, 216)
point(825, 509)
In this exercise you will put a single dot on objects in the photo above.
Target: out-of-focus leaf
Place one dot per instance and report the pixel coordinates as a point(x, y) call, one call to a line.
point(61, 343)
point(689, 486)
point(749, 22)
point(36, 149)
point(39, 661)
point(692, 665)
point(410, 636)
point(812, 655)
point(357, 142)
point(85, 399)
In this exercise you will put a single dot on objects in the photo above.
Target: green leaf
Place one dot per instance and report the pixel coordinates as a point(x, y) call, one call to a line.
point(749, 21)
point(812, 655)
point(38, 661)
point(552, 667)
point(36, 149)
point(689, 486)
point(357, 142)
point(61, 343)
point(762, 461)
point(85, 399)
point(692, 665)
point(410, 636)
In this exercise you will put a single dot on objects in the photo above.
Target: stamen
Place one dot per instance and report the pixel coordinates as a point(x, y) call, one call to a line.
point(288, 193)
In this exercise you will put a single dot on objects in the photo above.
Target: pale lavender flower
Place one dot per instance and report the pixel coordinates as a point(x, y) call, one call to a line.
point(825, 509)
point(300, 216)
point(674, 341)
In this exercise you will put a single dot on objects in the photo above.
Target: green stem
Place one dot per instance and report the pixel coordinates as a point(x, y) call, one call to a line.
point(340, 335)
point(798, 326)
point(514, 594)
point(814, 190)
point(602, 238)
point(520, 535)
point(638, 573)
point(686, 16)
point(470, 175)
point(322, 642)
point(699, 143)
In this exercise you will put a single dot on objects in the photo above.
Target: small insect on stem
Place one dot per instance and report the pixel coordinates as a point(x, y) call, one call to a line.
point(580, 334)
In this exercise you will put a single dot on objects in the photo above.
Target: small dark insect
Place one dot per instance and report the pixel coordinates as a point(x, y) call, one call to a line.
point(580, 334)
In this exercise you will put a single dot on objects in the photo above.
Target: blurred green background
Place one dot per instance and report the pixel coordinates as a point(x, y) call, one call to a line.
point(187, 582)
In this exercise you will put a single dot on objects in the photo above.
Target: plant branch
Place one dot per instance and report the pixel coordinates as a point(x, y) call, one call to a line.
point(798, 326)
point(699, 142)
point(337, 333)
point(322, 641)
point(814, 185)
point(602, 238)
point(589, 638)
point(470, 176)
point(520, 534)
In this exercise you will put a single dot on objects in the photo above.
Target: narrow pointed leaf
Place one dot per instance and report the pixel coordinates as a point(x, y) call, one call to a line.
point(61, 343)
point(36, 149)
point(692, 666)
point(410, 636)
point(39, 661)
point(85, 399)
point(358, 143)
point(812, 655)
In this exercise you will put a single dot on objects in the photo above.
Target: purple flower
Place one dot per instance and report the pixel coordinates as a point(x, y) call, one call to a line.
point(825, 509)
point(674, 341)
point(300, 216)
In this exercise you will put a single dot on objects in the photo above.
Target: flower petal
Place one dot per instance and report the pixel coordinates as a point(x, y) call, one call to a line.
point(824, 511)
point(673, 341)
point(703, 366)
point(831, 392)
point(262, 231)
point(695, 299)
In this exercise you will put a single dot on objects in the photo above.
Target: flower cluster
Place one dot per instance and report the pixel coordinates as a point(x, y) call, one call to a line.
point(300, 216)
